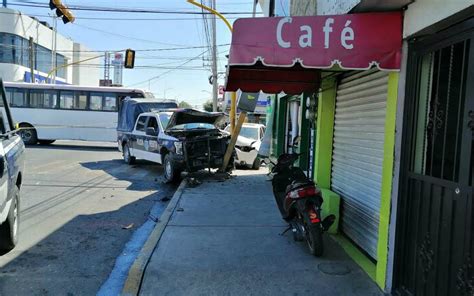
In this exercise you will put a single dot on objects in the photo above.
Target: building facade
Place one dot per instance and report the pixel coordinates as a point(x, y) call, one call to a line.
point(392, 150)
point(27, 44)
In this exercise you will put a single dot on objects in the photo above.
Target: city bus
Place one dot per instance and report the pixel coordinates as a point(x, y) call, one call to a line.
point(49, 112)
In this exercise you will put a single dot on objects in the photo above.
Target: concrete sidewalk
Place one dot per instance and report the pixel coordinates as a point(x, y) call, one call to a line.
point(223, 239)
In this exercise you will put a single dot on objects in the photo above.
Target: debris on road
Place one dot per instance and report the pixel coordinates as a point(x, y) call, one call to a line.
point(129, 226)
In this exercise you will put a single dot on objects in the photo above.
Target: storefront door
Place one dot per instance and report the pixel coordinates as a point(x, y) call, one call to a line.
point(435, 222)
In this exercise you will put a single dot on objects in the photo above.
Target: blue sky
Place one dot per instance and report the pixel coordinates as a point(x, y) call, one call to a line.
point(188, 85)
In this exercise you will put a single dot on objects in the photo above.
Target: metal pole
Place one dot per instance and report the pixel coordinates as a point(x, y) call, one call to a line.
point(32, 59)
point(254, 12)
point(55, 22)
point(214, 60)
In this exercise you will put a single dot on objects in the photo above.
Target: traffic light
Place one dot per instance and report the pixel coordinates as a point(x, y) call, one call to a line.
point(62, 11)
point(129, 59)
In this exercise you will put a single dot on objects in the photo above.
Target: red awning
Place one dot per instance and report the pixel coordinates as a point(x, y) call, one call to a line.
point(287, 54)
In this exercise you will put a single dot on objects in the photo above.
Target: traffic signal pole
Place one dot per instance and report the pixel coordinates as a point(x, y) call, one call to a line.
point(234, 129)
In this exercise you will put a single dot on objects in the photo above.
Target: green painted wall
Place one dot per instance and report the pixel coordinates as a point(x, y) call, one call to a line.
point(325, 132)
point(279, 125)
point(323, 149)
point(387, 178)
point(304, 131)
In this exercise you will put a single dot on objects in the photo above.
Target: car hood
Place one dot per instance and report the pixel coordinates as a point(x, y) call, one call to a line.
point(184, 116)
point(247, 142)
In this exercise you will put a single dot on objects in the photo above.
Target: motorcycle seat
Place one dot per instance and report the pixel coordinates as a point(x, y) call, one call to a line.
point(298, 184)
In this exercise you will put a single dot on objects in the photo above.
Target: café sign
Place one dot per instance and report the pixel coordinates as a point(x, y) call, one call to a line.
point(351, 41)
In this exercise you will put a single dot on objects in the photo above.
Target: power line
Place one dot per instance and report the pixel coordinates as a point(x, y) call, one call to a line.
point(124, 10)
point(113, 18)
point(122, 50)
point(124, 36)
point(169, 71)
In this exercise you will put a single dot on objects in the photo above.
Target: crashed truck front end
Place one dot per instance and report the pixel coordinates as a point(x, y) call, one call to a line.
point(200, 144)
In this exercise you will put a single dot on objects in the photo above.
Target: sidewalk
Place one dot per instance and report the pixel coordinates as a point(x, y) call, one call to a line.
point(223, 239)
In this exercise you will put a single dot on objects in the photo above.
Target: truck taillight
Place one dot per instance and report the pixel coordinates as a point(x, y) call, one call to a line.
point(303, 192)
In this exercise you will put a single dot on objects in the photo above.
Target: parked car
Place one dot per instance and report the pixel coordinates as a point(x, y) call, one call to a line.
point(181, 140)
point(248, 144)
point(11, 172)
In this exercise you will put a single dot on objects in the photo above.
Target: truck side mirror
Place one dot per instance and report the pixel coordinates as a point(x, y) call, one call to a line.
point(150, 131)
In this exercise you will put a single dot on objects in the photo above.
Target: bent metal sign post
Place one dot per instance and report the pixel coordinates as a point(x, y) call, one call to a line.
point(352, 41)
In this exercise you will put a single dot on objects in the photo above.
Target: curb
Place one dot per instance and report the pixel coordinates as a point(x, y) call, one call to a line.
point(137, 270)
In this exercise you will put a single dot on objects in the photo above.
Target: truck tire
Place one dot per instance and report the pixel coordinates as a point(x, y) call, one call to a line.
point(171, 173)
point(9, 229)
point(28, 134)
point(127, 157)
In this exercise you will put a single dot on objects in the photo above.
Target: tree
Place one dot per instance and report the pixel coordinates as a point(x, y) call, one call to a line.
point(184, 105)
point(208, 106)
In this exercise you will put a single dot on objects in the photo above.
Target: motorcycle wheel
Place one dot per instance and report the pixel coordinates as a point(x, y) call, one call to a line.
point(314, 239)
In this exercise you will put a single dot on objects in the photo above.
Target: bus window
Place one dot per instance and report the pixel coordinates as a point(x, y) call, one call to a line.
point(80, 100)
point(66, 100)
point(110, 102)
point(9, 92)
point(50, 99)
point(96, 101)
point(36, 98)
point(18, 98)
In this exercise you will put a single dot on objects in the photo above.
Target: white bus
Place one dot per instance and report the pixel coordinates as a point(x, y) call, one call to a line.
point(49, 112)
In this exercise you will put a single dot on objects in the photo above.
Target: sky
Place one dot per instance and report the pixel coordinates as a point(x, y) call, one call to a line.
point(152, 31)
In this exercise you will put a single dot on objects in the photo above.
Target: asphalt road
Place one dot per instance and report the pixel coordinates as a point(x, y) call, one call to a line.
point(80, 204)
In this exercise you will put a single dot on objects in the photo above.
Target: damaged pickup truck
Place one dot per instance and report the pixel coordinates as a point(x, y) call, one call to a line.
point(181, 140)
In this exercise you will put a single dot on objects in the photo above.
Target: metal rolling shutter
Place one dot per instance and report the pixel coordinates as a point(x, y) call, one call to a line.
point(358, 154)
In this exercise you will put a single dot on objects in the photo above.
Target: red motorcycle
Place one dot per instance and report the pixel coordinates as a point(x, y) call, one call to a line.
point(299, 201)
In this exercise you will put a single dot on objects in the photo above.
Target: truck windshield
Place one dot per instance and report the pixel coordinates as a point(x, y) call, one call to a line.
point(194, 125)
point(165, 118)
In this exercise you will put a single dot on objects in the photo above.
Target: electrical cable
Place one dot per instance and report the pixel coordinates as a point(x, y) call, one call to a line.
point(128, 10)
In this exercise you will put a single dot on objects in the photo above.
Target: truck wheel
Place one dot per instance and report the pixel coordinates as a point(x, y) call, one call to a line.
point(129, 159)
point(172, 174)
point(9, 229)
point(28, 134)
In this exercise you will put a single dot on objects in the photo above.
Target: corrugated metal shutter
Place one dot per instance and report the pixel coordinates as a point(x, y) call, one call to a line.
point(358, 154)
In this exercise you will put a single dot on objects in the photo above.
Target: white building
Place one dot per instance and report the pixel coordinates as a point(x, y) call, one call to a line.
point(15, 31)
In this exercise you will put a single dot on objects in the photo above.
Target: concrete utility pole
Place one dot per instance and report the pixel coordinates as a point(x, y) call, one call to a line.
point(214, 60)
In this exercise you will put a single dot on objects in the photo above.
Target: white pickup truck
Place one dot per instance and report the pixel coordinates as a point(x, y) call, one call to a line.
point(180, 139)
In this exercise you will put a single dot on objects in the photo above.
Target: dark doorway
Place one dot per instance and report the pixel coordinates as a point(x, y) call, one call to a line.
point(434, 245)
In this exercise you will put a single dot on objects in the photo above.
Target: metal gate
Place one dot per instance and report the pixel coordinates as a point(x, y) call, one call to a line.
point(358, 154)
point(434, 244)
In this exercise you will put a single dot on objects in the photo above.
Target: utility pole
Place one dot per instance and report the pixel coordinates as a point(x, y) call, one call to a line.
point(32, 59)
point(214, 60)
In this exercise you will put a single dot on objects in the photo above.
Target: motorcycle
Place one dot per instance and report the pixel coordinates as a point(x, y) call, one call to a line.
point(299, 201)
